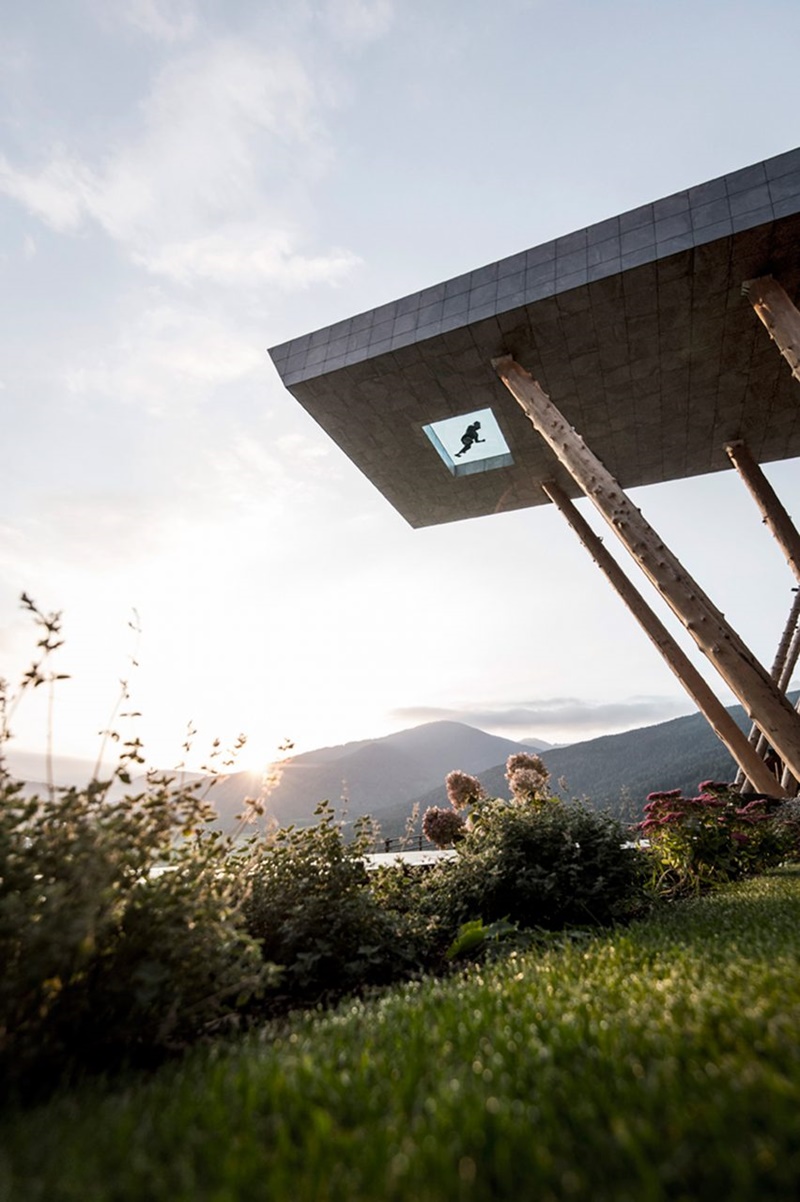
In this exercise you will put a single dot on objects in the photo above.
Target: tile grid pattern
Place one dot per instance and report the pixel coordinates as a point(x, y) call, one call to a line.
point(686, 220)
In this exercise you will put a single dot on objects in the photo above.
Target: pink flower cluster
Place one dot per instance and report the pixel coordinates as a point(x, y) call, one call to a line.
point(463, 790)
point(715, 802)
point(442, 827)
point(665, 796)
point(445, 827)
point(670, 806)
point(716, 836)
point(527, 776)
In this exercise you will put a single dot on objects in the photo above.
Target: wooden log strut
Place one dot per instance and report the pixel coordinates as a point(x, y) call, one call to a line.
point(782, 668)
point(751, 764)
point(772, 304)
point(776, 519)
point(746, 677)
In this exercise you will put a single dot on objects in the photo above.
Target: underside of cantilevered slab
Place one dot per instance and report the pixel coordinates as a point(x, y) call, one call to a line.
point(637, 329)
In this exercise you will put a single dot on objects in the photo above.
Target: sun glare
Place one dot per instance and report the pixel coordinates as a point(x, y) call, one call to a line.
point(259, 760)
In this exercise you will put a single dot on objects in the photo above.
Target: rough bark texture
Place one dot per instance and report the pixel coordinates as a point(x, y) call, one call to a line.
point(772, 304)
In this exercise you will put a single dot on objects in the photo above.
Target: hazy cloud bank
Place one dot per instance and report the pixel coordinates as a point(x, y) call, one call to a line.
point(554, 713)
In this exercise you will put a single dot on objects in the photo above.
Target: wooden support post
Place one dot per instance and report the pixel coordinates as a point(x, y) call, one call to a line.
point(737, 665)
point(789, 785)
point(775, 517)
point(779, 315)
point(744, 753)
point(782, 668)
point(788, 780)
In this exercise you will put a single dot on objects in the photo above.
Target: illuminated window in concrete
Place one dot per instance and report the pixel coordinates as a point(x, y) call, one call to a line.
point(471, 443)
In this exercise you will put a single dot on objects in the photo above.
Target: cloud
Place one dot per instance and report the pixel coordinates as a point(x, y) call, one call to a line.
point(165, 359)
point(216, 181)
point(163, 20)
point(554, 713)
point(234, 504)
point(244, 254)
point(357, 22)
point(60, 194)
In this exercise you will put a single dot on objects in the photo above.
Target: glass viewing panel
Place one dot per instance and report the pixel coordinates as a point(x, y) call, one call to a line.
point(471, 443)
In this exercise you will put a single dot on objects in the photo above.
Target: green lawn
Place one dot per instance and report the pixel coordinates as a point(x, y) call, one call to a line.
point(660, 1062)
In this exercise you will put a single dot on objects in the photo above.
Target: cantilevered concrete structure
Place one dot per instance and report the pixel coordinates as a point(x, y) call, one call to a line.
point(642, 333)
point(636, 328)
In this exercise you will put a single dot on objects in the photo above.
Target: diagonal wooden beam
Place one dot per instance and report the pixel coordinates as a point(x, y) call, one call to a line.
point(747, 678)
point(751, 764)
point(782, 668)
point(776, 519)
point(773, 305)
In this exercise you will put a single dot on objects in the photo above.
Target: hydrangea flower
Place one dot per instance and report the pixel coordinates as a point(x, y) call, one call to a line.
point(463, 790)
point(527, 776)
point(442, 827)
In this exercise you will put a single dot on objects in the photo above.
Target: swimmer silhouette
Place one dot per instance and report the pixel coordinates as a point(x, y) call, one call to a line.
point(469, 436)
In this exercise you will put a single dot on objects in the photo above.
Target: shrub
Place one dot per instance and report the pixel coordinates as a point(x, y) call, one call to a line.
point(407, 892)
point(717, 836)
point(787, 823)
point(119, 937)
point(540, 866)
point(118, 934)
point(309, 904)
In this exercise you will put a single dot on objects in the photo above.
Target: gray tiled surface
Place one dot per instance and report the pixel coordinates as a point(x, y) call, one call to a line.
point(635, 326)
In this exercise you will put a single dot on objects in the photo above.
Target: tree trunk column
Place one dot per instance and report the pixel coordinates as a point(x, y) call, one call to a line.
point(746, 677)
point(782, 668)
point(751, 765)
point(772, 304)
point(776, 519)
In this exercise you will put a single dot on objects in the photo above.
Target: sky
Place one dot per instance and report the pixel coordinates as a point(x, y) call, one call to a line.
point(185, 183)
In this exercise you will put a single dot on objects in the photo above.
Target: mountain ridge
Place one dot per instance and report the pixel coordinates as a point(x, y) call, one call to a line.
point(387, 776)
point(611, 772)
point(374, 776)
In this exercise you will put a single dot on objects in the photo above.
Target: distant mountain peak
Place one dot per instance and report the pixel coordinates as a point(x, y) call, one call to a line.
point(387, 776)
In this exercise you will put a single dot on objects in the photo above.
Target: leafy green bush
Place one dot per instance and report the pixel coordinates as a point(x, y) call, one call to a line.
point(787, 826)
point(410, 894)
point(533, 862)
point(479, 939)
point(717, 836)
point(539, 865)
point(309, 903)
point(119, 936)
